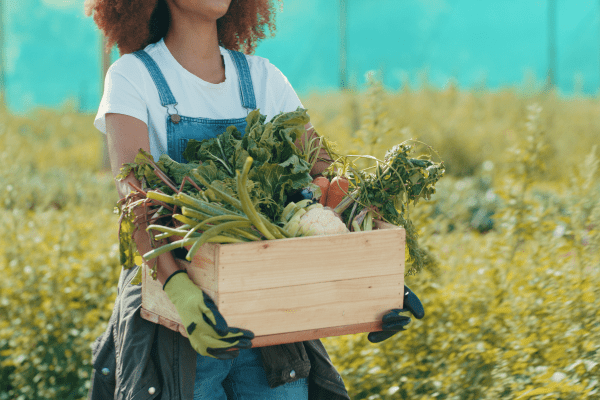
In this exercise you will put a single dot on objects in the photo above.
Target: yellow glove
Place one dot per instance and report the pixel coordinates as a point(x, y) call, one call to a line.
point(207, 330)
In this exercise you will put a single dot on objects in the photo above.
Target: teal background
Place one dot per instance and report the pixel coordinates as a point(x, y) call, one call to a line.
point(52, 50)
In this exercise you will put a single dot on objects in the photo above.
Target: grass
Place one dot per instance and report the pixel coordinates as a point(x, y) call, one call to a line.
point(511, 312)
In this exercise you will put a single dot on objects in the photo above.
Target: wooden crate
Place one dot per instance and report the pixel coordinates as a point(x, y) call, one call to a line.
point(290, 290)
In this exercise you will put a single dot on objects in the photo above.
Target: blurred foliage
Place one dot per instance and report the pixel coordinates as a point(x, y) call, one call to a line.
point(58, 253)
point(511, 310)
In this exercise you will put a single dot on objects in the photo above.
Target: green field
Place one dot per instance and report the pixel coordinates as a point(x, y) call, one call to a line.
point(512, 309)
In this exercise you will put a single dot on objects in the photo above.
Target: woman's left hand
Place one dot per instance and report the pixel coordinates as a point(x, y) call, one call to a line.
point(393, 322)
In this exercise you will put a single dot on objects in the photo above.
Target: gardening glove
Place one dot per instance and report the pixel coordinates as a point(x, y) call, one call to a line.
point(393, 322)
point(207, 330)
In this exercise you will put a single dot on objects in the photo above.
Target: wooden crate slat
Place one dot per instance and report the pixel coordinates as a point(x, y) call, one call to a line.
point(313, 306)
point(202, 270)
point(327, 282)
point(155, 299)
point(276, 263)
point(294, 308)
point(311, 334)
point(164, 321)
point(280, 338)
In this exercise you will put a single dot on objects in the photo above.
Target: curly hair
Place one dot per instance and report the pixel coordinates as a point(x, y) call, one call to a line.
point(133, 24)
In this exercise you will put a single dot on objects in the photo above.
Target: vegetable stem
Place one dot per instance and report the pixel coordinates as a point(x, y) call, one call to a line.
point(211, 233)
point(246, 202)
point(168, 247)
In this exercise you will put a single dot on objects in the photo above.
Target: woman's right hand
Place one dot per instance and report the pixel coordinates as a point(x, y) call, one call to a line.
point(207, 330)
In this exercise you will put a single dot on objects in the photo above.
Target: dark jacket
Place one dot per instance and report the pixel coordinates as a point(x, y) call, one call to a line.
point(136, 359)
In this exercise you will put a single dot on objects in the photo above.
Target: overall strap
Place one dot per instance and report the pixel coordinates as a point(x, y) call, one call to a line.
point(246, 89)
point(166, 97)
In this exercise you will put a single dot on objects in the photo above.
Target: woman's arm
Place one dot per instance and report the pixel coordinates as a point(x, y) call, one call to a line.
point(125, 136)
point(323, 161)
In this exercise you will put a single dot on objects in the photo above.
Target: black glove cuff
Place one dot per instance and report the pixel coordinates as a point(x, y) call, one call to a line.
point(172, 275)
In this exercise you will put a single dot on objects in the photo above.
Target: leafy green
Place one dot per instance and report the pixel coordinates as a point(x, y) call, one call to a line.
point(388, 191)
point(127, 247)
point(278, 170)
point(279, 167)
point(174, 170)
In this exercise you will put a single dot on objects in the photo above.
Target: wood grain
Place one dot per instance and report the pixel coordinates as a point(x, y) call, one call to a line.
point(313, 306)
point(277, 263)
point(289, 290)
point(271, 340)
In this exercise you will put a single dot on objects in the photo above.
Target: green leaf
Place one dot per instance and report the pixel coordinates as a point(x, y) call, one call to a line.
point(211, 172)
point(293, 182)
point(239, 158)
point(137, 279)
point(414, 177)
point(279, 167)
point(297, 164)
point(254, 118)
point(176, 171)
point(260, 154)
point(266, 138)
point(279, 181)
point(294, 118)
point(127, 247)
point(220, 149)
point(191, 150)
point(143, 157)
point(125, 170)
point(139, 166)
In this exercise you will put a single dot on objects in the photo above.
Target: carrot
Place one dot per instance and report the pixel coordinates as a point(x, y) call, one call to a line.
point(323, 184)
point(338, 189)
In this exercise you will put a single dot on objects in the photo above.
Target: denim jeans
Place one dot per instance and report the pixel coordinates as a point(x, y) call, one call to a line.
point(242, 378)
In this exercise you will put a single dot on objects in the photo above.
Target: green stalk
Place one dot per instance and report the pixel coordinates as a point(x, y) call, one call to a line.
point(368, 225)
point(211, 233)
point(222, 195)
point(166, 229)
point(203, 206)
point(168, 247)
point(167, 235)
point(224, 239)
point(246, 234)
point(212, 220)
point(165, 198)
point(277, 232)
point(190, 212)
point(186, 220)
point(282, 233)
point(247, 205)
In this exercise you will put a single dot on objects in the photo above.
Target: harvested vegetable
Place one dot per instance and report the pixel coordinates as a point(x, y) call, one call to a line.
point(338, 189)
point(321, 221)
point(206, 222)
point(397, 181)
point(208, 199)
point(323, 183)
point(208, 186)
point(279, 168)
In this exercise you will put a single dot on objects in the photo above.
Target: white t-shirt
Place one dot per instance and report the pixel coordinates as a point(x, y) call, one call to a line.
point(130, 90)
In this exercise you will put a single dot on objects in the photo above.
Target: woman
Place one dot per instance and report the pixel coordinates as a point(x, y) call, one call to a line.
point(180, 78)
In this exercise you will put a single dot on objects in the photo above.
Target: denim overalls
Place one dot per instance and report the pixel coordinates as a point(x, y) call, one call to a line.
point(243, 377)
point(180, 129)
